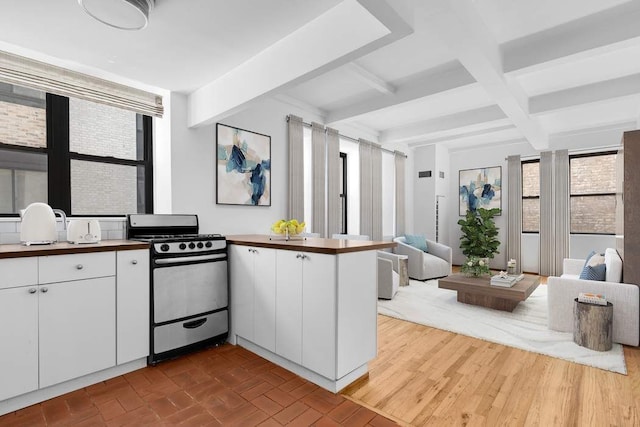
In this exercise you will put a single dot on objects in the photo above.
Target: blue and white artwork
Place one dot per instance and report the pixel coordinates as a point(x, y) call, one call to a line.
point(243, 167)
point(480, 188)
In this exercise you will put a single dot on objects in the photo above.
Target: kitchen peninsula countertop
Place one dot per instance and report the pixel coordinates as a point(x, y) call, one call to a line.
point(309, 244)
point(61, 248)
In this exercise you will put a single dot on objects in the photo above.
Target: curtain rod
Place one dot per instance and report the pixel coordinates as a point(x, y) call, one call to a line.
point(575, 152)
point(354, 140)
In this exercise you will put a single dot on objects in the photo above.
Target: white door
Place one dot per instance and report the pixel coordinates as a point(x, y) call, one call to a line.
point(241, 261)
point(77, 327)
point(19, 335)
point(319, 314)
point(264, 298)
point(289, 305)
point(132, 312)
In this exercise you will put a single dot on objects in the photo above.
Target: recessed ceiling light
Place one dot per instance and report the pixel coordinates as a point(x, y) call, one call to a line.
point(121, 14)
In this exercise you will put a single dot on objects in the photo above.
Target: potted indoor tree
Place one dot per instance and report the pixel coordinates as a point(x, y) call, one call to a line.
point(479, 240)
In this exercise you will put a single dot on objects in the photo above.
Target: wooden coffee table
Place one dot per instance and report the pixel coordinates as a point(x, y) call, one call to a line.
point(478, 291)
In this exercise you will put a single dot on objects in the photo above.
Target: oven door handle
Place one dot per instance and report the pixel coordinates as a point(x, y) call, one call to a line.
point(195, 258)
point(194, 324)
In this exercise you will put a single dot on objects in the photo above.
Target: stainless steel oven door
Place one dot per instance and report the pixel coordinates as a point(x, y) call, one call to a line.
point(181, 290)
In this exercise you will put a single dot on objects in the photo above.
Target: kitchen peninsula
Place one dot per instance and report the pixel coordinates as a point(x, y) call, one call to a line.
point(307, 305)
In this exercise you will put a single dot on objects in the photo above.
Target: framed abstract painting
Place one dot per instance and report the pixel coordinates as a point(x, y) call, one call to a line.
point(480, 188)
point(243, 167)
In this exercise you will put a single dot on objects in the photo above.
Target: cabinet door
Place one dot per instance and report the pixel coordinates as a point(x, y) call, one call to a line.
point(19, 333)
point(77, 326)
point(289, 305)
point(241, 275)
point(132, 305)
point(319, 314)
point(264, 283)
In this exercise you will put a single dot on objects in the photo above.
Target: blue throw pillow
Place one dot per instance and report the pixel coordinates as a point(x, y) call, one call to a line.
point(418, 242)
point(594, 268)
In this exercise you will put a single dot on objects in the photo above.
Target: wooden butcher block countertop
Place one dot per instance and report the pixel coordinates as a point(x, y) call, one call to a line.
point(18, 250)
point(309, 244)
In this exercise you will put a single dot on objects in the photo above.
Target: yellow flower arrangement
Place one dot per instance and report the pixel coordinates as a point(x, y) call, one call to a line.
point(290, 227)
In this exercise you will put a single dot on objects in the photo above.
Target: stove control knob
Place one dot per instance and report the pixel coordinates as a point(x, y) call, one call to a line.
point(164, 247)
point(192, 245)
point(182, 246)
point(208, 244)
point(200, 245)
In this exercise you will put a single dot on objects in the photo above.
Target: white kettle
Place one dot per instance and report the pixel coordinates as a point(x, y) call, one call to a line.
point(39, 224)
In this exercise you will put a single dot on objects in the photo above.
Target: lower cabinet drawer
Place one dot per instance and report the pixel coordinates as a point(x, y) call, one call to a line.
point(175, 335)
point(64, 268)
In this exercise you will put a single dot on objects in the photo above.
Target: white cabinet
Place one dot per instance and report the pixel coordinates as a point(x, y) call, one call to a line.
point(305, 318)
point(253, 277)
point(19, 329)
point(132, 305)
point(60, 318)
point(76, 329)
point(323, 305)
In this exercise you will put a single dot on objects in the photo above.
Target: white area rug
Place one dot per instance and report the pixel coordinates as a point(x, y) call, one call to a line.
point(525, 328)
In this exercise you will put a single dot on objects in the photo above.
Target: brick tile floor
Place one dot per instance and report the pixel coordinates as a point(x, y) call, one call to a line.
point(226, 386)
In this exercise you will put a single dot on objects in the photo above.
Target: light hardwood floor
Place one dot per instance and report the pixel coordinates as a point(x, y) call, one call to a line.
point(425, 376)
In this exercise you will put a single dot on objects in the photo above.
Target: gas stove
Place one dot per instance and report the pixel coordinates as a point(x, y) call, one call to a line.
point(172, 234)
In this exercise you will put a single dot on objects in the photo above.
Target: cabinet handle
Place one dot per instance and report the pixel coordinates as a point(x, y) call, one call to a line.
point(32, 290)
point(44, 290)
point(79, 266)
point(134, 262)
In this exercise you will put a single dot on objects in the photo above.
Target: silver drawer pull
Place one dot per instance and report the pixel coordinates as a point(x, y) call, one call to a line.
point(134, 262)
point(44, 290)
point(32, 290)
point(79, 266)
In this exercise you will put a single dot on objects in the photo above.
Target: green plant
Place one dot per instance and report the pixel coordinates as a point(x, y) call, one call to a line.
point(479, 233)
point(475, 266)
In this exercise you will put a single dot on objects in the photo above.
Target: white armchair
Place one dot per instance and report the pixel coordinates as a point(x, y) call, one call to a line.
point(426, 265)
point(625, 298)
point(388, 274)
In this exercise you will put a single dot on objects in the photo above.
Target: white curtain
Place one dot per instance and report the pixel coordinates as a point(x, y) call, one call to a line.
point(296, 168)
point(333, 182)
point(514, 206)
point(38, 75)
point(366, 187)
point(318, 172)
point(399, 159)
point(547, 266)
point(376, 192)
point(561, 214)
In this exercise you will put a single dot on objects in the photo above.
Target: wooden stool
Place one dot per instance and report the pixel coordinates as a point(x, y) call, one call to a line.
point(592, 325)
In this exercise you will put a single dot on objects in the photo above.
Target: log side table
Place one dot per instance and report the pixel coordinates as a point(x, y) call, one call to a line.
point(592, 325)
point(403, 270)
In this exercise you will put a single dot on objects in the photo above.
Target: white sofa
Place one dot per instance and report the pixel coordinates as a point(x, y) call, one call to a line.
point(625, 298)
point(426, 265)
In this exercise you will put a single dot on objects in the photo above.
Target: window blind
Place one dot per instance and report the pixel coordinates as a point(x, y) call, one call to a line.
point(38, 75)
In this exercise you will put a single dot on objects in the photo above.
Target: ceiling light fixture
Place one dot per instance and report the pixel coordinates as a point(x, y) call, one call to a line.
point(121, 14)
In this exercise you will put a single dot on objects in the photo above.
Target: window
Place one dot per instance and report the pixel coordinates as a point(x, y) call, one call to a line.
point(79, 156)
point(343, 193)
point(531, 196)
point(593, 199)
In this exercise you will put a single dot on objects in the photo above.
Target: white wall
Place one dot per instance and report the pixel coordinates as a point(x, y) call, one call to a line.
point(193, 168)
point(424, 191)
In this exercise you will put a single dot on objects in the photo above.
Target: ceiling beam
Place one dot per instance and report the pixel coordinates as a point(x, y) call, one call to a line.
point(440, 79)
point(420, 130)
point(370, 79)
point(608, 27)
point(347, 31)
point(594, 92)
point(463, 30)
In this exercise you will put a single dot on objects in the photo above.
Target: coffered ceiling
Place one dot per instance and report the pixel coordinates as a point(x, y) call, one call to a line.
point(451, 72)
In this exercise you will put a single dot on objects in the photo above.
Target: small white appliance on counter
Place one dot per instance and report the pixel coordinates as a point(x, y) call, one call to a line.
point(84, 231)
point(38, 224)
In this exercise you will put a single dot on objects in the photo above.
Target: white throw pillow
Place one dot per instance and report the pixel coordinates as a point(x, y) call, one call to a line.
point(614, 266)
